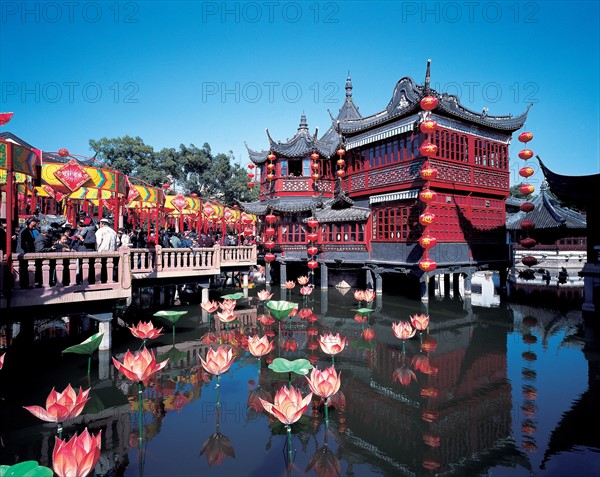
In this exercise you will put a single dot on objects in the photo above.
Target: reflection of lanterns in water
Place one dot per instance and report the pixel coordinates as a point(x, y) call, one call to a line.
point(529, 339)
point(530, 321)
point(529, 356)
point(529, 373)
point(529, 392)
point(529, 408)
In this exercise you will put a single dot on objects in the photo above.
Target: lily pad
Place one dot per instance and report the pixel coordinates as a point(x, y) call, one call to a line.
point(173, 355)
point(363, 344)
point(233, 296)
point(171, 316)
point(298, 366)
point(28, 468)
point(281, 309)
point(301, 425)
point(86, 347)
point(363, 311)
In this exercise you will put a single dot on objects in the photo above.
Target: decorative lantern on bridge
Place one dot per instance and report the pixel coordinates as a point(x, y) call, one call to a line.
point(527, 207)
point(428, 149)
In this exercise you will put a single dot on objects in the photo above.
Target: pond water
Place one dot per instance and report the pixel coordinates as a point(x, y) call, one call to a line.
point(507, 390)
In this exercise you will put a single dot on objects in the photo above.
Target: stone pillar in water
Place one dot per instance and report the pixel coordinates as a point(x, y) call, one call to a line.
point(324, 277)
point(283, 274)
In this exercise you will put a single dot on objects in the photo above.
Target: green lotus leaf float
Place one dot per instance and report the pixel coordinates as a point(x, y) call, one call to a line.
point(363, 344)
point(86, 347)
point(233, 296)
point(173, 355)
point(363, 311)
point(301, 425)
point(28, 468)
point(171, 316)
point(298, 366)
point(280, 309)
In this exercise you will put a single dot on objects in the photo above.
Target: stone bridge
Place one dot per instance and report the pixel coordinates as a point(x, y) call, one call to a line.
point(69, 277)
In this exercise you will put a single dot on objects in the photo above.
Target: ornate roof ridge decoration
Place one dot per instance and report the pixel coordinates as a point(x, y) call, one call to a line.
point(341, 200)
point(278, 204)
point(548, 214)
point(405, 100)
point(578, 191)
point(350, 214)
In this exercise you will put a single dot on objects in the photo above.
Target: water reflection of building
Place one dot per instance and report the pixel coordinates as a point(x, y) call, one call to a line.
point(455, 410)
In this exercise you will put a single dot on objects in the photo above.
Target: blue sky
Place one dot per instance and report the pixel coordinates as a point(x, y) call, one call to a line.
point(215, 72)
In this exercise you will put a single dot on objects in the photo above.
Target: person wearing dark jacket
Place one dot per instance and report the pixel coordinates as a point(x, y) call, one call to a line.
point(26, 244)
point(44, 243)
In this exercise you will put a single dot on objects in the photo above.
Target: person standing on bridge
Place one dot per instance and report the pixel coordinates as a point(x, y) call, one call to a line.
point(106, 241)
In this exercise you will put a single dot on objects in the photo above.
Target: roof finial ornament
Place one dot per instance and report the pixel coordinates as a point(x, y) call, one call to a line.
point(427, 76)
point(303, 123)
point(348, 86)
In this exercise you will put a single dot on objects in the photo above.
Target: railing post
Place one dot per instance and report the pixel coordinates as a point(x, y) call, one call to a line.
point(158, 261)
point(217, 256)
point(124, 268)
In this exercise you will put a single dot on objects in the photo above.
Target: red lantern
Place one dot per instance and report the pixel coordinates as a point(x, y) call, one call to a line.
point(527, 225)
point(269, 257)
point(429, 173)
point(272, 157)
point(248, 231)
point(251, 166)
point(270, 167)
point(428, 127)
point(269, 244)
point(340, 162)
point(526, 171)
point(340, 172)
point(312, 250)
point(315, 166)
point(428, 149)
point(312, 222)
point(270, 176)
point(251, 184)
point(62, 152)
point(429, 103)
point(194, 195)
point(426, 219)
point(312, 264)
point(246, 219)
point(166, 186)
point(312, 237)
point(314, 156)
point(526, 154)
point(341, 151)
point(525, 136)
point(315, 176)
point(529, 261)
point(427, 242)
point(527, 207)
point(427, 265)
point(427, 196)
point(271, 219)
point(526, 189)
point(528, 242)
point(250, 175)
point(269, 231)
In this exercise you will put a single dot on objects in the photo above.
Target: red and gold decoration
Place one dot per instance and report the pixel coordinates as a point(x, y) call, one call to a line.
point(271, 166)
point(251, 175)
point(341, 162)
point(527, 207)
point(315, 165)
point(312, 249)
point(428, 196)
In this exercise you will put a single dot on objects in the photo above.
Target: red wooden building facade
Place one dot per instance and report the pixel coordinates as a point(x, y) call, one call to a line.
point(361, 181)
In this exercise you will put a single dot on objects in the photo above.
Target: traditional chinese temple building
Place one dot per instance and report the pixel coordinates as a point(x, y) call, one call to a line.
point(416, 187)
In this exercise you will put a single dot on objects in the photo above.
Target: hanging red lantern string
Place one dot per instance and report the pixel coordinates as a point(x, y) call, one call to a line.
point(312, 249)
point(527, 207)
point(341, 162)
point(428, 149)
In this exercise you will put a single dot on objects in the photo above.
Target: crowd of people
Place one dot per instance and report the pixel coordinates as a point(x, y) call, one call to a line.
point(88, 235)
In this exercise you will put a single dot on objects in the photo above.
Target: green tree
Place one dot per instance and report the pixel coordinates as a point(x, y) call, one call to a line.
point(129, 155)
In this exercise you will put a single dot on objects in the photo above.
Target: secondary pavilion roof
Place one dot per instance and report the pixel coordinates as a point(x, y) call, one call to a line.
point(548, 214)
point(303, 143)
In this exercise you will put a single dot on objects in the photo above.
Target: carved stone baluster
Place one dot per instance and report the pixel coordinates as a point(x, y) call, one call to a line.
point(46, 273)
point(60, 270)
point(110, 266)
point(97, 270)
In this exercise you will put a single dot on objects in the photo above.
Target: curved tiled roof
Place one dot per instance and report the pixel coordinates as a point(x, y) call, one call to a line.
point(293, 205)
point(548, 214)
point(579, 191)
point(406, 100)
